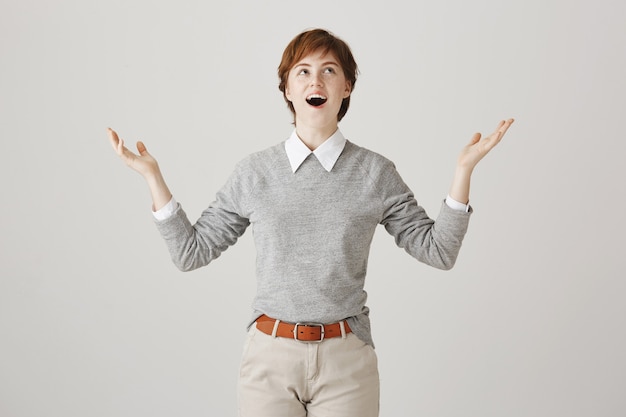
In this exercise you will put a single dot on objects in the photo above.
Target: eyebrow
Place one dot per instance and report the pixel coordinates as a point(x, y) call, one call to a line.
point(305, 64)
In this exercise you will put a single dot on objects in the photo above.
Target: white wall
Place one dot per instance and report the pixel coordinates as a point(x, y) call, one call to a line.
point(96, 321)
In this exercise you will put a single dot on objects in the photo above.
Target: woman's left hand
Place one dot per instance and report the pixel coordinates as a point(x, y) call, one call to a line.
point(478, 148)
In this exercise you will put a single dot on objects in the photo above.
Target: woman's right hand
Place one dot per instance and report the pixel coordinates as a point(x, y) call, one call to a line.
point(147, 166)
point(144, 163)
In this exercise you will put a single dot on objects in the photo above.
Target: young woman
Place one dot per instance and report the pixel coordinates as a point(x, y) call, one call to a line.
point(314, 202)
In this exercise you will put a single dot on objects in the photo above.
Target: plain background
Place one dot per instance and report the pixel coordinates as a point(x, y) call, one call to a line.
point(96, 321)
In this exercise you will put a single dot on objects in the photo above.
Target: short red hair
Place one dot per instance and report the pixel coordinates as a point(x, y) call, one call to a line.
point(312, 41)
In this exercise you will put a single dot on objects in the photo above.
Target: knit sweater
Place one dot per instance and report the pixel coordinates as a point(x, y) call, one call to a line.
point(313, 231)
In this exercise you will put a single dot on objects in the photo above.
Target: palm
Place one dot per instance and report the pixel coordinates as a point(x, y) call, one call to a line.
point(144, 163)
point(478, 148)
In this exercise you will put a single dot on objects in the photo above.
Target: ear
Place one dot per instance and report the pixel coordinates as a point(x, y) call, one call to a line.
point(287, 92)
point(348, 90)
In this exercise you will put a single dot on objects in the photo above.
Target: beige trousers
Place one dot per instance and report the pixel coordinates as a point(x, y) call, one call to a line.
point(282, 377)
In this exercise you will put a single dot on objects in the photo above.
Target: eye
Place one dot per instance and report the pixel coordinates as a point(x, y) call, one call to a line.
point(329, 70)
point(303, 71)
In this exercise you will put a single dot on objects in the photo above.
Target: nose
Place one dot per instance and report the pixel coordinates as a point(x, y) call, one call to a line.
point(316, 80)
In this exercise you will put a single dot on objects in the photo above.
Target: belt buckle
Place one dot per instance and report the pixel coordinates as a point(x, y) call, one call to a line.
point(295, 332)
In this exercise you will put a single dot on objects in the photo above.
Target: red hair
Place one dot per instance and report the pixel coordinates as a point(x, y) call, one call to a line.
point(312, 41)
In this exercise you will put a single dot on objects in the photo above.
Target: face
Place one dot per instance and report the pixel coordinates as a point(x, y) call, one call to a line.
point(316, 86)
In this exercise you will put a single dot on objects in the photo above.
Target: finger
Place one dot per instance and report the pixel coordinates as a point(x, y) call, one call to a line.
point(497, 134)
point(141, 148)
point(498, 130)
point(503, 126)
point(120, 147)
point(116, 142)
point(113, 138)
point(507, 125)
point(475, 139)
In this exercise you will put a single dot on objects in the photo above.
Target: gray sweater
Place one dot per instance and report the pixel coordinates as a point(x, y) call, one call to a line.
point(313, 230)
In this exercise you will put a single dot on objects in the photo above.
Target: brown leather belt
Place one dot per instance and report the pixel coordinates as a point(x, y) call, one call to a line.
point(305, 332)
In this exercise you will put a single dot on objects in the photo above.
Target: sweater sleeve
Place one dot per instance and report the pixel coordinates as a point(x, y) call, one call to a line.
point(433, 242)
point(219, 227)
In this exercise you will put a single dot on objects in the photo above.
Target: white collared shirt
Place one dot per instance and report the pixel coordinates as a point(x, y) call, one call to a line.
point(327, 154)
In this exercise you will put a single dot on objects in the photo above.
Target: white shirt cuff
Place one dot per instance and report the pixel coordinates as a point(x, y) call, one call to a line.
point(166, 211)
point(455, 205)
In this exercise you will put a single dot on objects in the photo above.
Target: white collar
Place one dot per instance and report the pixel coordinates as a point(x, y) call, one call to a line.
point(327, 153)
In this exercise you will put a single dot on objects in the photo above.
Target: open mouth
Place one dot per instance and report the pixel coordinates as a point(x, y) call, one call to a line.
point(316, 100)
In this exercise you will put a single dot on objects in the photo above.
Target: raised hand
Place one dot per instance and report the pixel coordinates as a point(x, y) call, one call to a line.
point(470, 156)
point(146, 165)
point(477, 148)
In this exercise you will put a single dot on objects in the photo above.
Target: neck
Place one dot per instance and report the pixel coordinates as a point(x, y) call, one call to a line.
point(314, 136)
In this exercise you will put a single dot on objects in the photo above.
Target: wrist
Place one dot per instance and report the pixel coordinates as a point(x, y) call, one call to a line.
point(153, 176)
point(464, 171)
point(460, 188)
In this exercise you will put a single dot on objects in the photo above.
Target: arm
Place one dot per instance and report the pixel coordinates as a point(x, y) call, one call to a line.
point(190, 246)
point(469, 158)
point(147, 166)
point(436, 243)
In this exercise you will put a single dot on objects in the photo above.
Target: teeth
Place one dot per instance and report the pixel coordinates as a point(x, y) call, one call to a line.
point(316, 96)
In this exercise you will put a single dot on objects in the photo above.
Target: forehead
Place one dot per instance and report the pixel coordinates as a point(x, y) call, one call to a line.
point(318, 57)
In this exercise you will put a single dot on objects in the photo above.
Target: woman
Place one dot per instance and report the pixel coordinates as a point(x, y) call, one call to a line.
point(314, 202)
